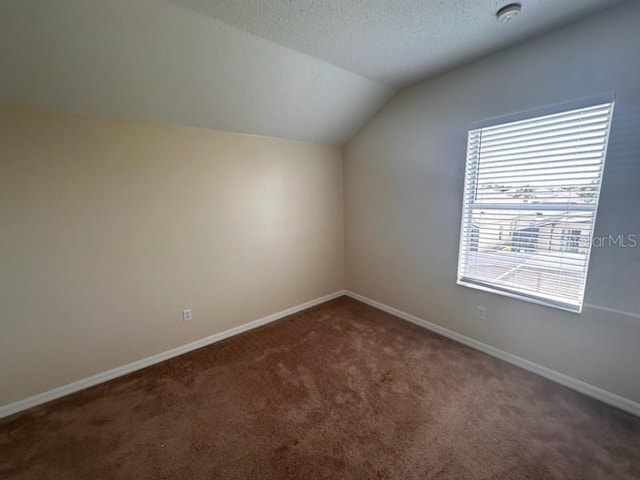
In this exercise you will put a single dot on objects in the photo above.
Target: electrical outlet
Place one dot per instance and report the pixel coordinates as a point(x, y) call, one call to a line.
point(481, 313)
point(186, 315)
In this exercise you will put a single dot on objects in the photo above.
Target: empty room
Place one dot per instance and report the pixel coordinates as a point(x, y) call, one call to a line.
point(320, 239)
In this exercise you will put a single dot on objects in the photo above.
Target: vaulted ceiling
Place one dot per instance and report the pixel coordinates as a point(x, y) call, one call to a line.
point(308, 70)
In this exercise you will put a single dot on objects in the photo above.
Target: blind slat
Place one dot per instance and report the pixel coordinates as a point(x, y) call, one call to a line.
point(563, 118)
point(582, 130)
point(539, 159)
point(594, 138)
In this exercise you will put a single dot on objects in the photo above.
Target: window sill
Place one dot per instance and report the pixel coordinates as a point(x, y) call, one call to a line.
point(520, 296)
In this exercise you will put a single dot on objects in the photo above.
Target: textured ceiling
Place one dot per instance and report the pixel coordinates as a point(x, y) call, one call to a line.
point(154, 60)
point(394, 41)
point(311, 70)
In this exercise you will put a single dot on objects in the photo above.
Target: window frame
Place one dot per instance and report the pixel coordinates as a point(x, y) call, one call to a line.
point(516, 117)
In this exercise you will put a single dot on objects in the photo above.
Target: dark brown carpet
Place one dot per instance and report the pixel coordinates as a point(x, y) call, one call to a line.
point(341, 391)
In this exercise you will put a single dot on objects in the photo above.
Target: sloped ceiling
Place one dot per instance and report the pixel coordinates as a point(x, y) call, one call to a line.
point(307, 70)
point(397, 42)
point(155, 60)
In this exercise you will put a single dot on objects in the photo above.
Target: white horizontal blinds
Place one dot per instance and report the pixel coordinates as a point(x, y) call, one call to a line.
point(530, 199)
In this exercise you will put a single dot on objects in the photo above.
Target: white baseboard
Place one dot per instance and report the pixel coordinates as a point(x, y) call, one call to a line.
point(573, 383)
point(78, 385)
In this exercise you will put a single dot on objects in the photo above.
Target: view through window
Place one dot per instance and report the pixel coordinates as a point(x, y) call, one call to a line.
point(531, 192)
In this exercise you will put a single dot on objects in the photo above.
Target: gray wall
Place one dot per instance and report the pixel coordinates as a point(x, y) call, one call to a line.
point(404, 181)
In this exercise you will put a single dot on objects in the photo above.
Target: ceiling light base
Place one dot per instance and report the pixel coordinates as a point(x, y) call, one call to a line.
point(508, 12)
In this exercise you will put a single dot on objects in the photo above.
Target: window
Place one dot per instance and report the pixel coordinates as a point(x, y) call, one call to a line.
point(571, 240)
point(532, 184)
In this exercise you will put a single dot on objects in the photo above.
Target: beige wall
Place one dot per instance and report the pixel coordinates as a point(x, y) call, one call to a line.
point(111, 227)
point(403, 194)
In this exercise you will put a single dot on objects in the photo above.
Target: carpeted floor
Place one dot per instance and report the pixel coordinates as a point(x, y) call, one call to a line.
point(341, 391)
